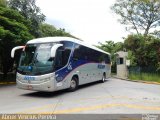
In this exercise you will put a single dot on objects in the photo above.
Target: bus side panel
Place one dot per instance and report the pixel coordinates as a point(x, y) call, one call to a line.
point(87, 63)
point(86, 72)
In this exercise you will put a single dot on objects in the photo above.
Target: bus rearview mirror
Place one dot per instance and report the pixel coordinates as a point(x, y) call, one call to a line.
point(14, 49)
point(54, 48)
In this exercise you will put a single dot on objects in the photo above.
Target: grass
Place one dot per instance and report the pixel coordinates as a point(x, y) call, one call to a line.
point(154, 77)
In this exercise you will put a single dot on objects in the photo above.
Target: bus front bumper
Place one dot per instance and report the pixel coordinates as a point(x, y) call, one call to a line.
point(43, 86)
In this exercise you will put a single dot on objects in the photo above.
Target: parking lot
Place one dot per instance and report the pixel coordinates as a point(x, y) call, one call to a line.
point(115, 96)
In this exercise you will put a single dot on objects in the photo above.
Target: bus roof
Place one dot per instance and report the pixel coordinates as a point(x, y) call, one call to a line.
point(57, 39)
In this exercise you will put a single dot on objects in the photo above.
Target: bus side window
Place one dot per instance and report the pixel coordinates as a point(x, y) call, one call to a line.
point(63, 54)
point(107, 59)
point(80, 52)
point(76, 54)
point(58, 60)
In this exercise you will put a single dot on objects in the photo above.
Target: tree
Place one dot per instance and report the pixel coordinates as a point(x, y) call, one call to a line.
point(31, 12)
point(140, 15)
point(3, 3)
point(112, 48)
point(144, 50)
point(62, 32)
point(13, 32)
point(47, 30)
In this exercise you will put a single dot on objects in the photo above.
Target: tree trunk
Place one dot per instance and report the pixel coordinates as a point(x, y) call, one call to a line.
point(147, 29)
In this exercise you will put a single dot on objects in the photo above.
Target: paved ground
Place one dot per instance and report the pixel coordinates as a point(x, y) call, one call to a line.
point(113, 96)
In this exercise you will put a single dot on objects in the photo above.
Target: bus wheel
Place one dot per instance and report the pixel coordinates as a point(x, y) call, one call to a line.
point(103, 78)
point(73, 84)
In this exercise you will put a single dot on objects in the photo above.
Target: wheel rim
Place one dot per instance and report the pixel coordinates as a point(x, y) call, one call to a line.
point(73, 83)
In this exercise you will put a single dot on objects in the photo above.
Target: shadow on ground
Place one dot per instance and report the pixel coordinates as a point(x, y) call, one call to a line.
point(58, 93)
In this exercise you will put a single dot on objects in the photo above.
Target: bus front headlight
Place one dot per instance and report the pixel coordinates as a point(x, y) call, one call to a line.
point(46, 79)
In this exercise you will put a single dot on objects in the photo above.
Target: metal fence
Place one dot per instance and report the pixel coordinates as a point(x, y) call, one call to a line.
point(10, 77)
point(149, 73)
point(146, 69)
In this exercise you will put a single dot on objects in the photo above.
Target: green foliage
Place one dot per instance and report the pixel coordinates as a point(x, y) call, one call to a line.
point(20, 21)
point(12, 15)
point(112, 48)
point(13, 32)
point(3, 3)
point(144, 50)
point(62, 32)
point(31, 12)
point(132, 58)
point(145, 77)
point(139, 15)
point(47, 30)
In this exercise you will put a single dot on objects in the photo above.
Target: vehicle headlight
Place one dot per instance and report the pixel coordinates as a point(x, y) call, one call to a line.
point(46, 79)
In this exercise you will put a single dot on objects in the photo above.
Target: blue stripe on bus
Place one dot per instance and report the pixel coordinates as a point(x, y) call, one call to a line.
point(63, 73)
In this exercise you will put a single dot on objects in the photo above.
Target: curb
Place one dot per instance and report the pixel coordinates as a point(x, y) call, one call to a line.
point(139, 81)
point(7, 83)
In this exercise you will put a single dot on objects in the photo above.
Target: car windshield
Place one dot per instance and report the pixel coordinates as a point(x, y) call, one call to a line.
point(35, 59)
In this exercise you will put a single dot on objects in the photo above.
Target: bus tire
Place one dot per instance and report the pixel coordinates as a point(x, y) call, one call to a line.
point(103, 78)
point(73, 84)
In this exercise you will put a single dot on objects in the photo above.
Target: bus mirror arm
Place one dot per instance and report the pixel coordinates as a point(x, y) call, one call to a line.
point(54, 48)
point(14, 49)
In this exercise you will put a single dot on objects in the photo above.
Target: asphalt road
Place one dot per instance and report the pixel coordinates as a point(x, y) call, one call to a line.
point(114, 96)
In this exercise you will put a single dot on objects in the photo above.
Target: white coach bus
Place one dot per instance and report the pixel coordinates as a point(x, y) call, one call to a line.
point(55, 63)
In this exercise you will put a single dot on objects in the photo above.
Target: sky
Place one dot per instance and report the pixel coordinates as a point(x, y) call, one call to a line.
point(90, 20)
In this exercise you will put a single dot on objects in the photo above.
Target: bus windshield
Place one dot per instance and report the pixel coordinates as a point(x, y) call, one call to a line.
point(35, 59)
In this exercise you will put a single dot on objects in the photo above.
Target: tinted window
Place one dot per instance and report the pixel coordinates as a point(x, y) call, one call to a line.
point(120, 60)
point(63, 54)
point(84, 53)
point(35, 59)
point(107, 59)
point(80, 52)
